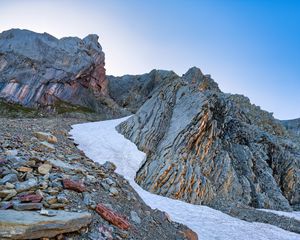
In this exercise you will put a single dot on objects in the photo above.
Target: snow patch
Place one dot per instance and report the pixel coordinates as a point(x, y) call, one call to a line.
point(101, 142)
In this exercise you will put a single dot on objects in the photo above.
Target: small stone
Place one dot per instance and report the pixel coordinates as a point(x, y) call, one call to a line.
point(9, 185)
point(112, 217)
point(11, 153)
point(24, 169)
point(87, 199)
point(27, 185)
point(53, 191)
point(110, 182)
point(106, 232)
point(43, 136)
point(34, 198)
point(109, 166)
point(27, 206)
point(73, 185)
point(51, 199)
point(7, 194)
point(11, 178)
point(47, 147)
point(135, 217)
point(105, 185)
point(44, 168)
point(43, 185)
point(189, 234)
point(49, 213)
point(114, 191)
point(62, 198)
point(5, 205)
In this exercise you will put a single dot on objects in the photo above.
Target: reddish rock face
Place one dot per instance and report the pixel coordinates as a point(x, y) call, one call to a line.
point(38, 70)
point(73, 185)
point(112, 217)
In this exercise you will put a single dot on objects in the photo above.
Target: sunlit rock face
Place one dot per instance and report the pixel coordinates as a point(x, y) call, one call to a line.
point(38, 70)
point(207, 147)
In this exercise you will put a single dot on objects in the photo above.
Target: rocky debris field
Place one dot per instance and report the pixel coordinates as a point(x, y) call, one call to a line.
point(49, 189)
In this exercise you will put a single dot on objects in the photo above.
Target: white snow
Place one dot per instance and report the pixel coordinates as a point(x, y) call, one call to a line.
point(101, 142)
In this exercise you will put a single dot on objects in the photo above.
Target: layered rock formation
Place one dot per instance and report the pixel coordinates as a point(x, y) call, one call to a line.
point(40, 71)
point(131, 91)
point(207, 147)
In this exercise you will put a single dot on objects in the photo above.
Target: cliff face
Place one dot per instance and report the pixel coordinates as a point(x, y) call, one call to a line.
point(131, 91)
point(38, 70)
point(207, 147)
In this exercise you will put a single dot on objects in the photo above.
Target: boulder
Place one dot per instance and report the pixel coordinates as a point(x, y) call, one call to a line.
point(32, 225)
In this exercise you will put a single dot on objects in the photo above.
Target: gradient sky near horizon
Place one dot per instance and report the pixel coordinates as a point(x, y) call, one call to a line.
point(248, 47)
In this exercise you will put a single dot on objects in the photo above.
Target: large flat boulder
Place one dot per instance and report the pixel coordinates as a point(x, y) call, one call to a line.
point(32, 225)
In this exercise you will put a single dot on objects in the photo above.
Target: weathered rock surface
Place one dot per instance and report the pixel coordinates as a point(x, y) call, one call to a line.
point(131, 91)
point(65, 179)
point(207, 147)
point(32, 225)
point(40, 71)
point(112, 217)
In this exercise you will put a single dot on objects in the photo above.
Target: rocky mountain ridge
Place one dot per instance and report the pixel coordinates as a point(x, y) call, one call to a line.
point(207, 147)
point(203, 146)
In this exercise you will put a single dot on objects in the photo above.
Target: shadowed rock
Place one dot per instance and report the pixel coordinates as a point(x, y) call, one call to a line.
point(207, 147)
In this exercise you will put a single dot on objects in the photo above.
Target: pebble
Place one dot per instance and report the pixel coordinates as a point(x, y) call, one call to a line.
point(44, 168)
point(113, 191)
point(7, 194)
point(24, 169)
point(62, 198)
point(45, 146)
point(49, 213)
point(135, 217)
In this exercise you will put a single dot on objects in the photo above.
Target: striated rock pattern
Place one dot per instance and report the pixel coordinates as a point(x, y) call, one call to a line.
point(40, 71)
point(131, 91)
point(207, 147)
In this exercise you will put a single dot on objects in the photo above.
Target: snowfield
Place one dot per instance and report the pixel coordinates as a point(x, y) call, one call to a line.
point(101, 142)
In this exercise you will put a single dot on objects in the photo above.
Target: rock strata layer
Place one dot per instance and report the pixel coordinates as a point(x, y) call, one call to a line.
point(207, 147)
point(41, 71)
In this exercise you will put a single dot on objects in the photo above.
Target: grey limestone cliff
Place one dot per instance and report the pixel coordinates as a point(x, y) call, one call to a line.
point(207, 147)
point(41, 71)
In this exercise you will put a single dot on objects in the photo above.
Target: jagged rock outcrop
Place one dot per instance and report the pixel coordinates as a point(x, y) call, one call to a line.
point(207, 147)
point(131, 91)
point(41, 71)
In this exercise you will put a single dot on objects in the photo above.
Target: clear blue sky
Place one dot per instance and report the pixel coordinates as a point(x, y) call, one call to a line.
point(249, 47)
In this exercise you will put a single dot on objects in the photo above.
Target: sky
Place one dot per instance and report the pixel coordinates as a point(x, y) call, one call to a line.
point(248, 47)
